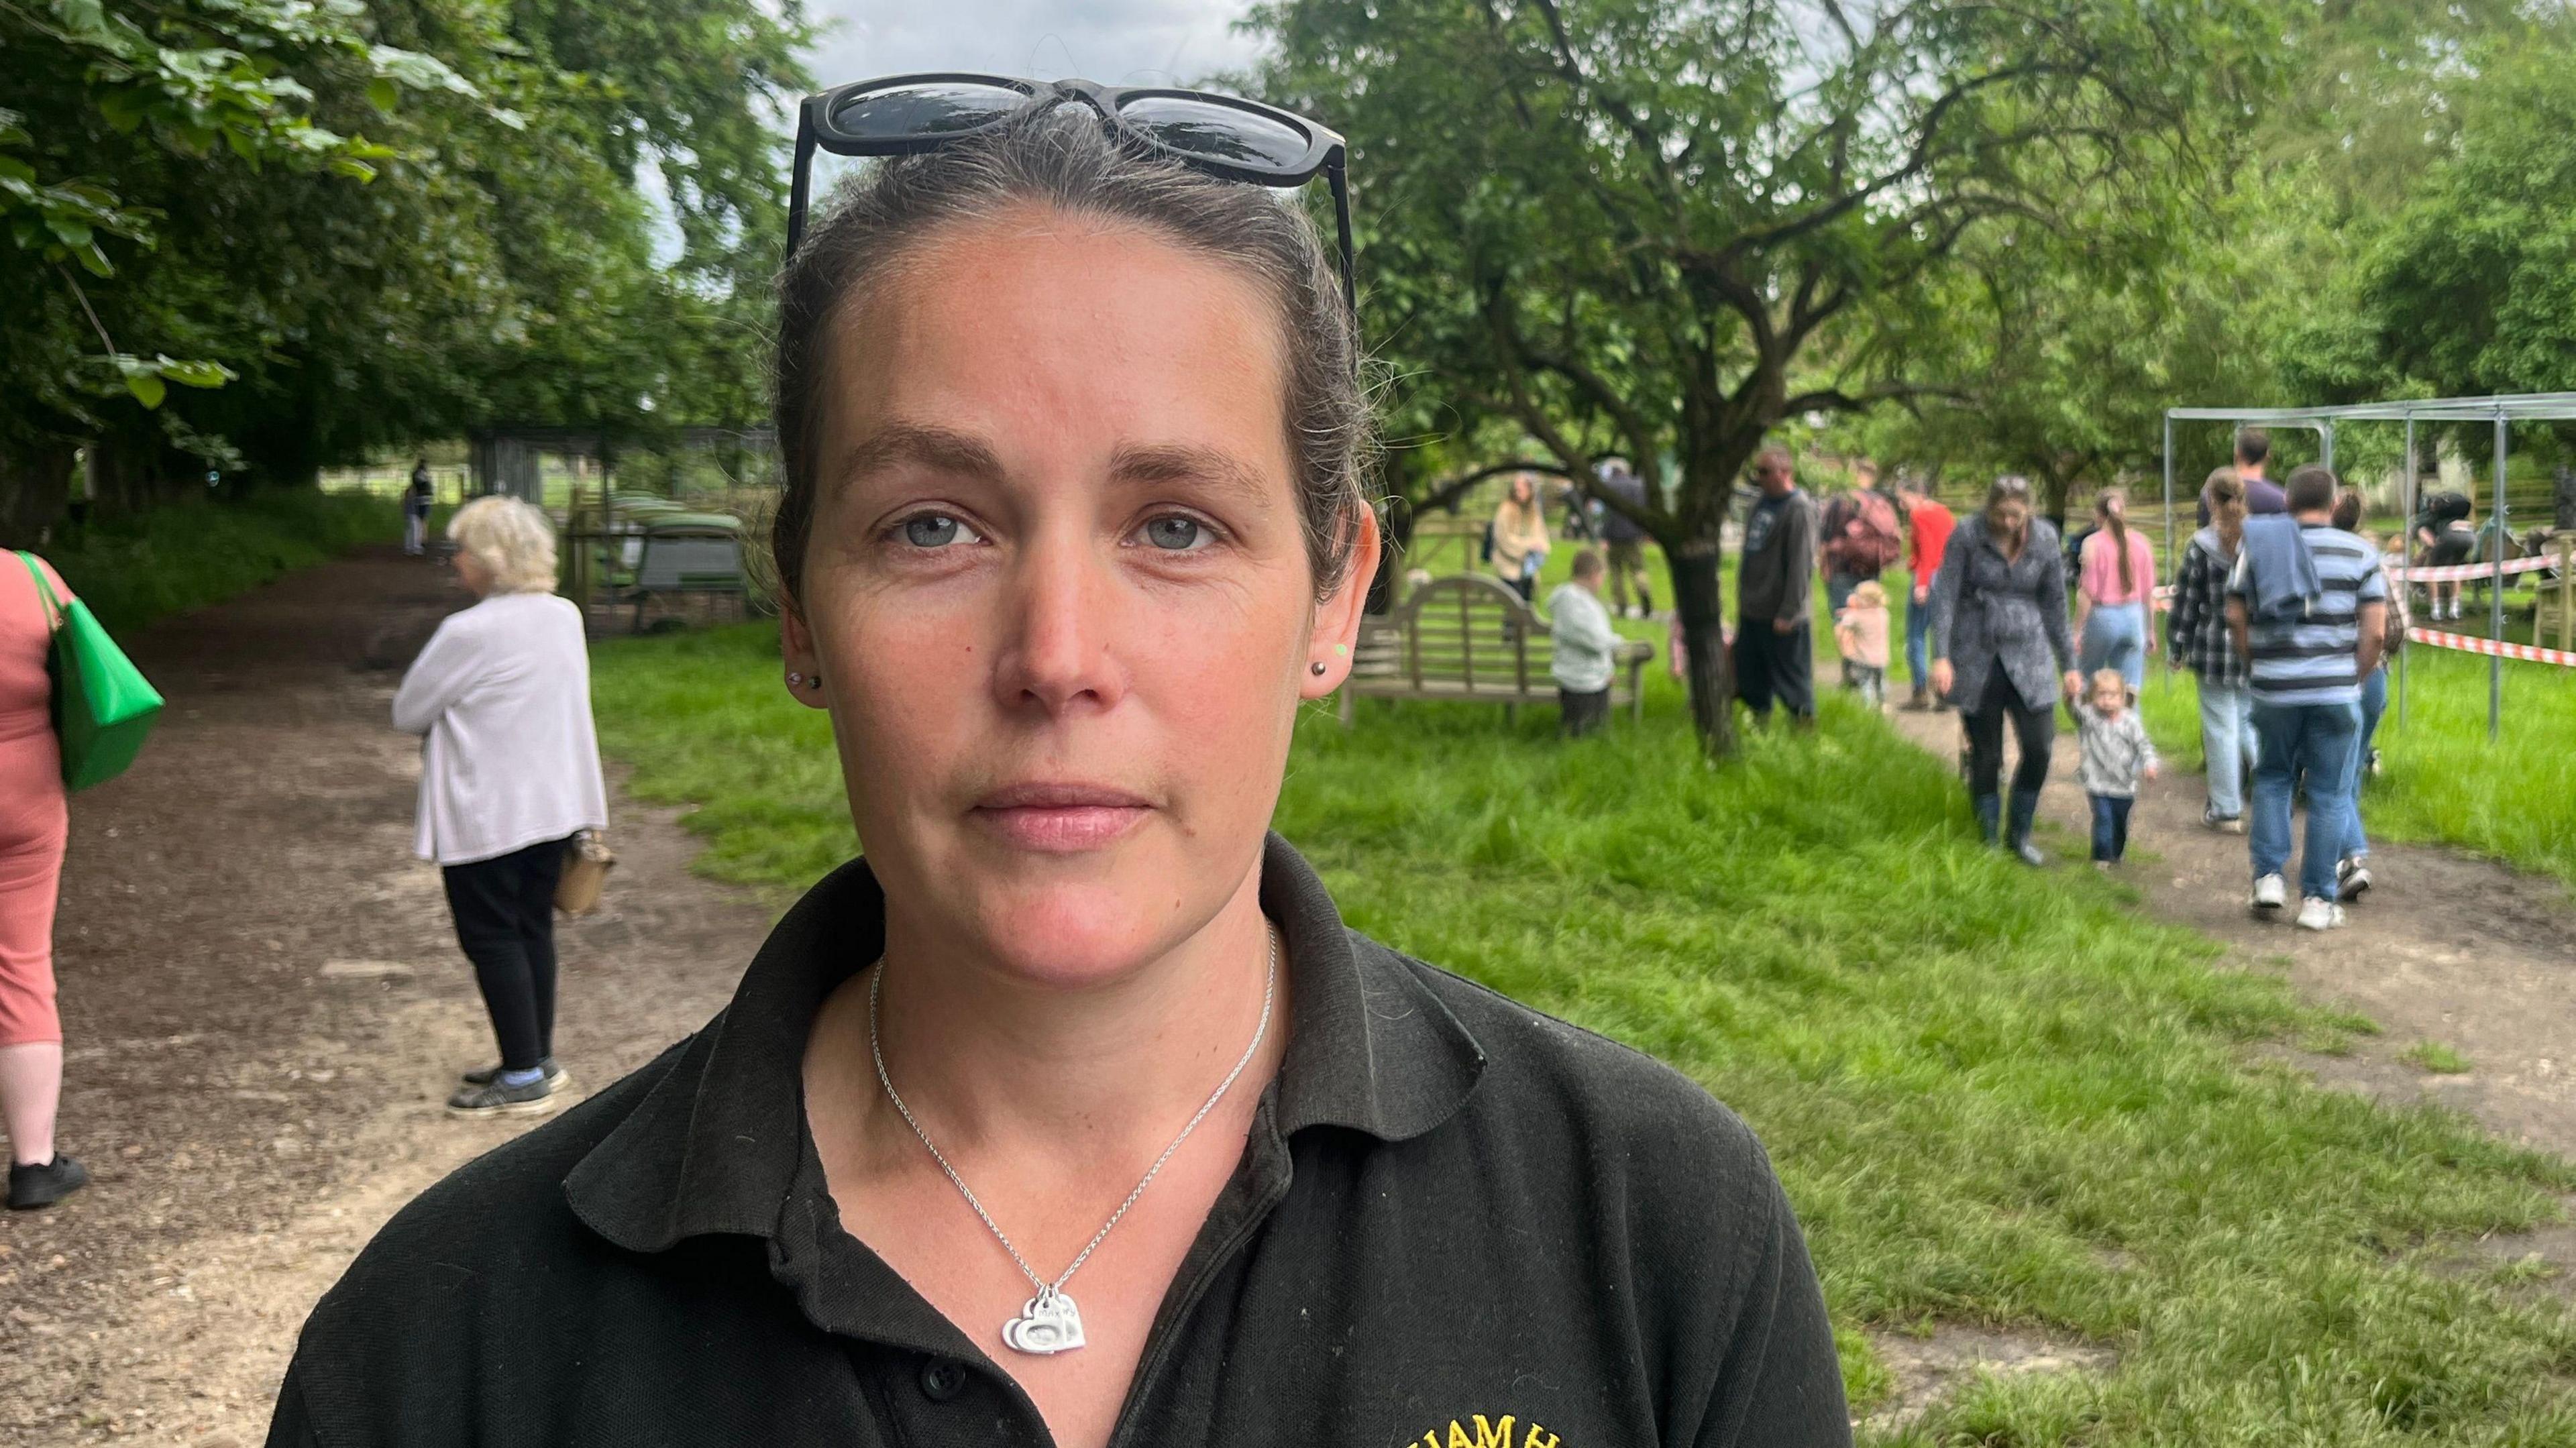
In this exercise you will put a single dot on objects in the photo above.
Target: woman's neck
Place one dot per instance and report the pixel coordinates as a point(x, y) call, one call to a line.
point(992, 1063)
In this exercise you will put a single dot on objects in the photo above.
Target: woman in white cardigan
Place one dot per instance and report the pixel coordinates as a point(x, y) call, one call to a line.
point(509, 775)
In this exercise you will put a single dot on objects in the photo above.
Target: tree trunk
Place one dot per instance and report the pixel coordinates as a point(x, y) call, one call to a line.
point(1698, 596)
point(35, 481)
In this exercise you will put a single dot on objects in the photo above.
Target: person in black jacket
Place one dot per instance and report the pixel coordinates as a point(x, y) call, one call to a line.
point(1999, 610)
point(1775, 648)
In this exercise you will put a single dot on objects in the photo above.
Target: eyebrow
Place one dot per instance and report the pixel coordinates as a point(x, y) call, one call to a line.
point(937, 448)
point(1187, 463)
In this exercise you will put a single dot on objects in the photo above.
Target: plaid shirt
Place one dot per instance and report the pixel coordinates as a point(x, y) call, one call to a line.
point(2196, 629)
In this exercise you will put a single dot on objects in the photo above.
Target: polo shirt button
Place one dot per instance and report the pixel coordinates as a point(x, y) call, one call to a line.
point(942, 1380)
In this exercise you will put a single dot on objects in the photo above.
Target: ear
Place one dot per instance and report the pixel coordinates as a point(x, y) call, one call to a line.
point(1337, 618)
point(799, 655)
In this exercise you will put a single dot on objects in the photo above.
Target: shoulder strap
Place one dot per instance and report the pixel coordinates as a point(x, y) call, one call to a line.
point(44, 586)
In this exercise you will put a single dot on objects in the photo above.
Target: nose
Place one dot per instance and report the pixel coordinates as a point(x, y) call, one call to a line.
point(1060, 625)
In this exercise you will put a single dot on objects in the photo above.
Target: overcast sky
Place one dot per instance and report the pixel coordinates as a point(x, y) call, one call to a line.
point(1117, 42)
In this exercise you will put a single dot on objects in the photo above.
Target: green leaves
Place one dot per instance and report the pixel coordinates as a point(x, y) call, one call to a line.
point(148, 380)
point(382, 222)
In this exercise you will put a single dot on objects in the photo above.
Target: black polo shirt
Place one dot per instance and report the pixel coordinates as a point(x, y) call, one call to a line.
point(1456, 1222)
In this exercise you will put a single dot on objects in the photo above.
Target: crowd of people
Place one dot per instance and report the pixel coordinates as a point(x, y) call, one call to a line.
point(2279, 608)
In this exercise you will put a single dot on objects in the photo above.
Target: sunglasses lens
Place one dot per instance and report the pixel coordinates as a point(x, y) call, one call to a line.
point(931, 108)
point(1220, 133)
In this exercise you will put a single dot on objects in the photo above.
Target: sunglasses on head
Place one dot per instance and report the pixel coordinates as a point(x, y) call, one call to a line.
point(1223, 136)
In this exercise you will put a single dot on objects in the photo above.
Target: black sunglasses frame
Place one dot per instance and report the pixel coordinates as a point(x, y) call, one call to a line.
point(1326, 153)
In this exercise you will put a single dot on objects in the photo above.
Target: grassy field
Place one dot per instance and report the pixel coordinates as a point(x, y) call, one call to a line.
point(133, 570)
point(1996, 1097)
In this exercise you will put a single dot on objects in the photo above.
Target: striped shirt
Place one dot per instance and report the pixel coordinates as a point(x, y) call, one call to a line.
point(2310, 658)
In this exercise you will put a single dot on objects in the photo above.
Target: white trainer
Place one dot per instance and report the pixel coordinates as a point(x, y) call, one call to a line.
point(2315, 914)
point(2270, 892)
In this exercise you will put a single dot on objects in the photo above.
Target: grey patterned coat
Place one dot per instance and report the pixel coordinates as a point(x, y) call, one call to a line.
point(1989, 612)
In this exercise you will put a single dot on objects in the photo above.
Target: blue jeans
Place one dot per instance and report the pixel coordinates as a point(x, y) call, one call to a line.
point(2110, 825)
point(1918, 642)
point(2374, 702)
point(2115, 637)
point(2319, 739)
point(2227, 743)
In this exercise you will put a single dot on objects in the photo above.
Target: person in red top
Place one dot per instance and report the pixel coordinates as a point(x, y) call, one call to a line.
point(1927, 533)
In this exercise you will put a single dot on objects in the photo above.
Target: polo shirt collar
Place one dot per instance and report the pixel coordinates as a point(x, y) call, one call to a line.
point(718, 1143)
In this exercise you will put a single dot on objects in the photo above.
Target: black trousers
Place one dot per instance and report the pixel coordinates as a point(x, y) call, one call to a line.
point(505, 919)
point(1775, 668)
point(2034, 729)
point(1580, 714)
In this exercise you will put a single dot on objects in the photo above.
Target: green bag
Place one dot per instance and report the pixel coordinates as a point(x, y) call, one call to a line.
point(103, 706)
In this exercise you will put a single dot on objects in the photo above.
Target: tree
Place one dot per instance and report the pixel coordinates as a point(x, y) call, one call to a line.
point(372, 225)
point(2470, 287)
point(2057, 368)
point(1671, 226)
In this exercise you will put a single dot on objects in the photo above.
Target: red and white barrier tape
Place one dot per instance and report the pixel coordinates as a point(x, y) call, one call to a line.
point(2470, 643)
point(2467, 572)
point(2448, 573)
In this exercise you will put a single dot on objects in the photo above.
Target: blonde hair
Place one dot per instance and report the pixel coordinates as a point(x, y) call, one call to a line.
point(514, 541)
point(2110, 679)
point(1869, 595)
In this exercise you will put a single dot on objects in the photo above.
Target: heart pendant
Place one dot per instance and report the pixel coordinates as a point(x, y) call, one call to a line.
point(1049, 1324)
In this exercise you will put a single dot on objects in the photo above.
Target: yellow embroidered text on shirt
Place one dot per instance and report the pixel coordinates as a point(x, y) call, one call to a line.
point(1494, 1434)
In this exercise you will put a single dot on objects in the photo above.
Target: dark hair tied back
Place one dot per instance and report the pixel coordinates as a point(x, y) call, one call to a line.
point(1065, 158)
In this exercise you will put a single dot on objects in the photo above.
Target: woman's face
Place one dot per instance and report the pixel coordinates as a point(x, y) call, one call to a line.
point(1521, 489)
point(1058, 589)
point(2008, 515)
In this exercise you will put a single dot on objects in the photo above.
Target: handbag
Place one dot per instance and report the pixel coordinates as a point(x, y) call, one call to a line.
point(587, 860)
point(103, 706)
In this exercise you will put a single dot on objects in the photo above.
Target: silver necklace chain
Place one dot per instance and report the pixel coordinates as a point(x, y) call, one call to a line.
point(1049, 1291)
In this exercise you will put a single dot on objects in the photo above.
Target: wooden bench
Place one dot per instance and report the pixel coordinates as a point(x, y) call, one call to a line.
point(1470, 637)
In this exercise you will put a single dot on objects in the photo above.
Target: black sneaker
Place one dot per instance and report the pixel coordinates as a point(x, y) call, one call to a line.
point(556, 1077)
point(45, 1183)
point(495, 1099)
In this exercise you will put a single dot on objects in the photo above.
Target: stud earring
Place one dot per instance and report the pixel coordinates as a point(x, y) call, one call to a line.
point(1317, 668)
point(795, 680)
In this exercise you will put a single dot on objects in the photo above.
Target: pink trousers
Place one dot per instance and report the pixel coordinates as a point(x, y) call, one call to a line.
point(34, 819)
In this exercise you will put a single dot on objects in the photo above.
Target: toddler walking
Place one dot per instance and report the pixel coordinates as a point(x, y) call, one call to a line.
point(1860, 631)
point(2117, 754)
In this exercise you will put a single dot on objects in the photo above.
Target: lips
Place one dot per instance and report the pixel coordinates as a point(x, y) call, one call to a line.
point(1061, 817)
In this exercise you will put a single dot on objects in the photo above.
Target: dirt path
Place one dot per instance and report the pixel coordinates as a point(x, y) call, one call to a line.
point(264, 1008)
point(2461, 952)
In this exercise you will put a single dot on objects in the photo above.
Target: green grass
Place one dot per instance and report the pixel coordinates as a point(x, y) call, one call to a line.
point(132, 570)
point(2441, 779)
point(2435, 1057)
point(1996, 1097)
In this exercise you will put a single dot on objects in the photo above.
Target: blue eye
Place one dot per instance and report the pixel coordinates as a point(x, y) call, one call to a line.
point(932, 530)
point(1175, 532)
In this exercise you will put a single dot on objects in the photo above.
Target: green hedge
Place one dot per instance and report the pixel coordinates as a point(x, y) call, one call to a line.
point(135, 569)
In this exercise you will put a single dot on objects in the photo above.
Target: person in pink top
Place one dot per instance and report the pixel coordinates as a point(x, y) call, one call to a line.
point(34, 821)
point(1860, 632)
point(2115, 585)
